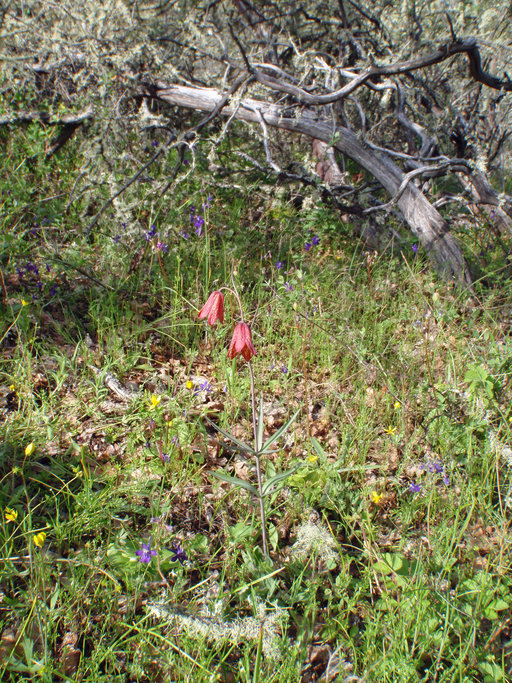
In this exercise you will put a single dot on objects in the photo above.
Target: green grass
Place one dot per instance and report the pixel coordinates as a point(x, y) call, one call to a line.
point(401, 380)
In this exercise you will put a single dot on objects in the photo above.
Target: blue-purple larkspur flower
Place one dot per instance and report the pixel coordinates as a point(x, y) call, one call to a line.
point(178, 553)
point(150, 233)
point(284, 369)
point(279, 265)
point(116, 239)
point(161, 246)
point(308, 246)
point(175, 441)
point(315, 240)
point(145, 553)
point(415, 248)
point(414, 488)
point(288, 287)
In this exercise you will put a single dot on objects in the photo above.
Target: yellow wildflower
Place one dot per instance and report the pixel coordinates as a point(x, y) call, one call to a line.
point(24, 303)
point(11, 515)
point(312, 458)
point(397, 405)
point(155, 400)
point(189, 384)
point(39, 539)
point(12, 387)
point(376, 497)
point(30, 449)
point(390, 430)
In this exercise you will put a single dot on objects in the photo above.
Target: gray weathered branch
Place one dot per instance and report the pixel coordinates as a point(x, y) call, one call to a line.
point(423, 219)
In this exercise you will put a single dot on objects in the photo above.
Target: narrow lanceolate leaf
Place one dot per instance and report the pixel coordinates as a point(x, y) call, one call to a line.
point(270, 483)
point(278, 433)
point(245, 448)
point(318, 447)
point(237, 482)
point(259, 430)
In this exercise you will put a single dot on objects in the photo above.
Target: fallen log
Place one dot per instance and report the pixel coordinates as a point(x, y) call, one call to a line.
point(424, 221)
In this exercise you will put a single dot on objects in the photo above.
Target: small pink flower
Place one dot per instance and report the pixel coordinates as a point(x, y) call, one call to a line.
point(241, 342)
point(213, 308)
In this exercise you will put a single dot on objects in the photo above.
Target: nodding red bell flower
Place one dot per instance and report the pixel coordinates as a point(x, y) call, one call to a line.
point(241, 342)
point(213, 308)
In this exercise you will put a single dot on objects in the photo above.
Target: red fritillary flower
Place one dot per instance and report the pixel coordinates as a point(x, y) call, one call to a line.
point(213, 308)
point(241, 342)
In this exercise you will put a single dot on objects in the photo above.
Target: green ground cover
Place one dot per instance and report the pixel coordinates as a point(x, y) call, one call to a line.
point(126, 557)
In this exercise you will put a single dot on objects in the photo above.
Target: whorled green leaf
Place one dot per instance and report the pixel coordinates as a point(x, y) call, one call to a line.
point(278, 433)
point(260, 426)
point(235, 481)
point(270, 483)
point(245, 448)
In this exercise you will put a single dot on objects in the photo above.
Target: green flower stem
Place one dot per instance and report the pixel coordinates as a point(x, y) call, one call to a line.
point(258, 468)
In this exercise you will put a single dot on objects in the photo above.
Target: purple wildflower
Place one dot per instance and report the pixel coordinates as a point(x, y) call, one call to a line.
point(179, 554)
point(164, 457)
point(279, 265)
point(116, 239)
point(315, 241)
point(284, 369)
point(145, 553)
point(161, 247)
point(415, 248)
point(155, 143)
point(308, 246)
point(150, 233)
point(198, 225)
point(288, 287)
point(175, 441)
point(414, 488)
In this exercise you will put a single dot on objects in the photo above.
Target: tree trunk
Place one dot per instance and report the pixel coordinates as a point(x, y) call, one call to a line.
point(425, 222)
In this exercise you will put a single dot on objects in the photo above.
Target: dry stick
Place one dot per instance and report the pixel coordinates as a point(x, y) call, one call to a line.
point(122, 189)
point(469, 47)
point(222, 102)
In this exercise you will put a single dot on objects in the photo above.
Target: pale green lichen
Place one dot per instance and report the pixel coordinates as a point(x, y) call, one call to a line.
point(211, 627)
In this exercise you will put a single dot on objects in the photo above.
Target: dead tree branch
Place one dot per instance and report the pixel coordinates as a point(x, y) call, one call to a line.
point(423, 219)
